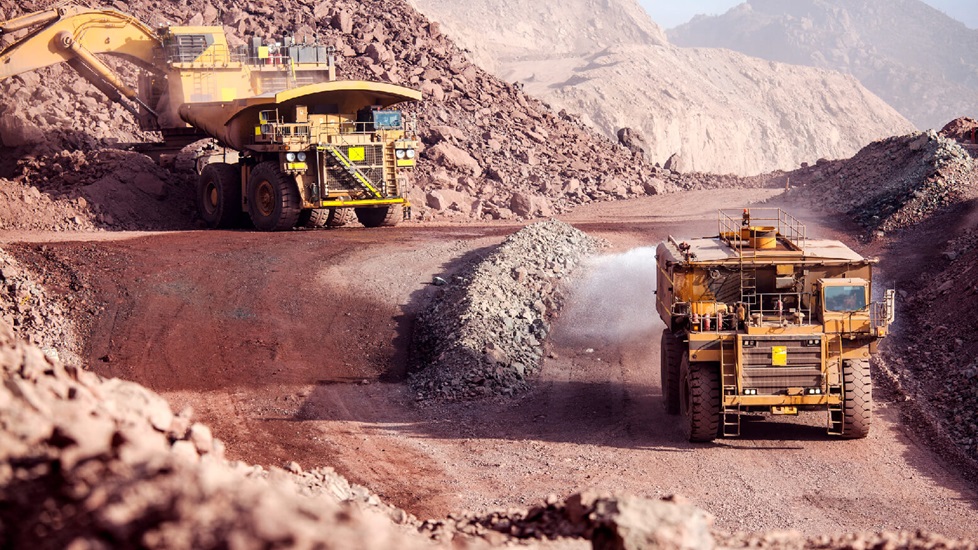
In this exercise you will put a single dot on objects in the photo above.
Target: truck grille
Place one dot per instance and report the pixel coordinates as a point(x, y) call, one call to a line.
point(371, 165)
point(803, 370)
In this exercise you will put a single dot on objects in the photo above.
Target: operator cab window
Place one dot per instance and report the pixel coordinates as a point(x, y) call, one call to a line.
point(845, 298)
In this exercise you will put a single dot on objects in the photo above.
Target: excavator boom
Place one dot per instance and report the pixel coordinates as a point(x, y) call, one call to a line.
point(306, 142)
point(100, 31)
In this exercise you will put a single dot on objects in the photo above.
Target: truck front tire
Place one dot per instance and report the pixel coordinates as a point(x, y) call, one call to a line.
point(330, 217)
point(219, 196)
point(387, 216)
point(857, 391)
point(670, 355)
point(699, 398)
point(273, 198)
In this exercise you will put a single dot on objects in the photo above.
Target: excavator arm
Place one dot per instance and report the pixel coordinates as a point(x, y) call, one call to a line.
point(73, 35)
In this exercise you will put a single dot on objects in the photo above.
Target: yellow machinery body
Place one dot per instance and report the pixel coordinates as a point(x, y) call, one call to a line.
point(775, 317)
point(266, 101)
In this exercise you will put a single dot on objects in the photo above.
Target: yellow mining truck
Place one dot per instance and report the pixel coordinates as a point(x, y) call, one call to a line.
point(761, 318)
point(304, 147)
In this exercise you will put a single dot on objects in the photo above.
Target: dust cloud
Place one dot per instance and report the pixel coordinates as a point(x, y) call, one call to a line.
point(613, 299)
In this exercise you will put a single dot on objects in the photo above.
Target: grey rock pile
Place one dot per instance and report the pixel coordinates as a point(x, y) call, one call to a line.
point(609, 522)
point(484, 333)
point(34, 314)
point(890, 184)
point(93, 463)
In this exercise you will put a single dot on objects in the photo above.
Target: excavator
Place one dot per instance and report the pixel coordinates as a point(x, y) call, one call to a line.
point(299, 147)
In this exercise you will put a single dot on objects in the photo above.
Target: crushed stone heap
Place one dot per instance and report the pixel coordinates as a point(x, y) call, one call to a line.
point(483, 335)
point(890, 184)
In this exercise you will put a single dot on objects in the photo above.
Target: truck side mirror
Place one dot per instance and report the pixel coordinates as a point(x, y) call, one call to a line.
point(890, 304)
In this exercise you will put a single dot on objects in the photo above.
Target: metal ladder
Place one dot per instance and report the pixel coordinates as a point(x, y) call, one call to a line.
point(730, 413)
point(354, 173)
point(390, 182)
point(837, 415)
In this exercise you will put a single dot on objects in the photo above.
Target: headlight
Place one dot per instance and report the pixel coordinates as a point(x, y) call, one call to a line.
point(400, 153)
point(410, 153)
point(290, 157)
point(301, 157)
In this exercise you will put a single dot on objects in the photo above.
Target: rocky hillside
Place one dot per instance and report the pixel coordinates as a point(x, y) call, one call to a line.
point(501, 32)
point(919, 60)
point(492, 150)
point(707, 110)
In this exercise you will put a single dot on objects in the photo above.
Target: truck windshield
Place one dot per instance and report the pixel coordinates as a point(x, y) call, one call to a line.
point(845, 298)
point(387, 120)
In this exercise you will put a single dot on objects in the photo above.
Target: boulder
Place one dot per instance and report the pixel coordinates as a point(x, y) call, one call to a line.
point(453, 157)
point(521, 204)
point(342, 21)
point(654, 186)
point(636, 523)
point(633, 140)
point(17, 131)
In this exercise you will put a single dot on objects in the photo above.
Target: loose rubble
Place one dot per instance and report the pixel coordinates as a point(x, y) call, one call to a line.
point(484, 333)
point(609, 522)
point(890, 184)
point(106, 462)
point(34, 314)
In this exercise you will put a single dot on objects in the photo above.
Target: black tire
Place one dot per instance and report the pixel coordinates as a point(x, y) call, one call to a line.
point(699, 400)
point(273, 198)
point(330, 217)
point(219, 195)
point(670, 355)
point(857, 391)
point(387, 216)
point(305, 218)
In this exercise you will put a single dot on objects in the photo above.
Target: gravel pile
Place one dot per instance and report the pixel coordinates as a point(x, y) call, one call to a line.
point(792, 540)
point(609, 522)
point(484, 333)
point(96, 189)
point(890, 184)
point(87, 462)
point(34, 314)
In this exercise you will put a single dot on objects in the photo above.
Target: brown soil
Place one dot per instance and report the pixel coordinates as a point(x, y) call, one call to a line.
point(293, 347)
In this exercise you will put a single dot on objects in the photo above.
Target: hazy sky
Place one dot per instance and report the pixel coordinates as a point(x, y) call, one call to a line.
point(669, 13)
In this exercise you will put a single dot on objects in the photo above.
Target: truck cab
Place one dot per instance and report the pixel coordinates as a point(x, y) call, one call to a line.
point(761, 318)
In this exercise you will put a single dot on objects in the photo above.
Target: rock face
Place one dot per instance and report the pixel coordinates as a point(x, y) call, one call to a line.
point(913, 56)
point(721, 112)
point(508, 28)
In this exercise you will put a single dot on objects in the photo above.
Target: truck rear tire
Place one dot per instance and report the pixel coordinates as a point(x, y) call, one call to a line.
point(857, 391)
point(219, 196)
point(699, 398)
point(330, 217)
point(670, 355)
point(273, 198)
point(387, 216)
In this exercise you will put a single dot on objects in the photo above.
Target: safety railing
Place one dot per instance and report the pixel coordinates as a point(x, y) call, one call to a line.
point(784, 308)
point(731, 223)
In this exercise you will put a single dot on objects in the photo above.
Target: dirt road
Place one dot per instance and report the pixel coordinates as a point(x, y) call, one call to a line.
point(292, 347)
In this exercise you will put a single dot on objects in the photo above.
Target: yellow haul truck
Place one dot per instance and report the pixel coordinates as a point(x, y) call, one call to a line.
point(306, 148)
point(761, 318)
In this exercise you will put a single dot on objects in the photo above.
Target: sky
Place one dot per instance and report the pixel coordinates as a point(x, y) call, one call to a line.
point(669, 13)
